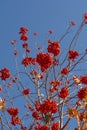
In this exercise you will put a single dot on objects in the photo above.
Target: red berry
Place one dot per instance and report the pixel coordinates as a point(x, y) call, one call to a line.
point(85, 16)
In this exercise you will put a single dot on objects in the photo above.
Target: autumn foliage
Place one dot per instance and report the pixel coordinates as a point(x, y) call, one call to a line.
point(47, 92)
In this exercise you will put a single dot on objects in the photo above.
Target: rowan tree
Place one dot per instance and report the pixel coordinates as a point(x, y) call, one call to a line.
point(47, 91)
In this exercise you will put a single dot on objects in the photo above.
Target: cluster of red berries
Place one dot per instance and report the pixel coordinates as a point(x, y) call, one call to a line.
point(28, 60)
point(54, 48)
point(64, 92)
point(15, 119)
point(23, 33)
point(44, 60)
point(82, 94)
point(4, 73)
point(55, 126)
point(48, 106)
point(54, 85)
point(65, 71)
point(83, 79)
point(25, 46)
point(73, 54)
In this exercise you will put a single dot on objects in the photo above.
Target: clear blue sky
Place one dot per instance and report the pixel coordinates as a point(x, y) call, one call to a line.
point(37, 15)
point(40, 16)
